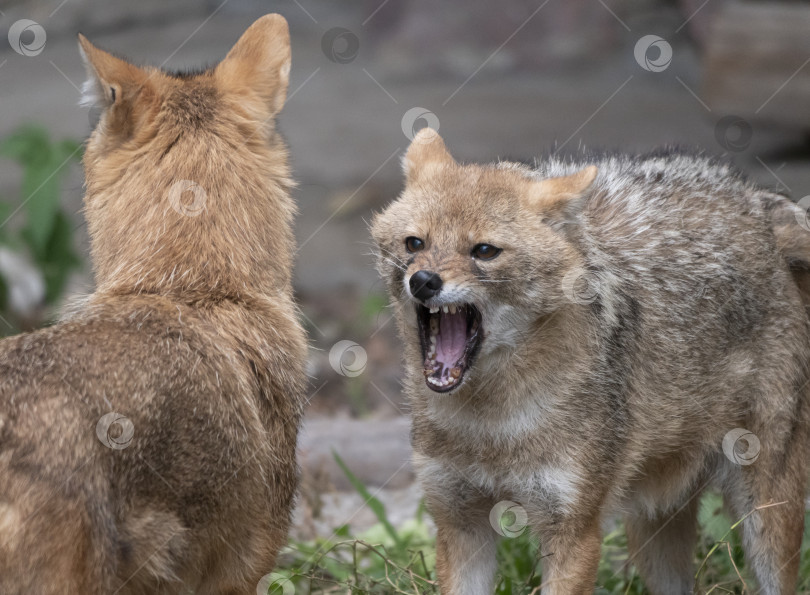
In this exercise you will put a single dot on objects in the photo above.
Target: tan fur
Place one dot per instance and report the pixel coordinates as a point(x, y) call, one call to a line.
point(192, 335)
point(578, 408)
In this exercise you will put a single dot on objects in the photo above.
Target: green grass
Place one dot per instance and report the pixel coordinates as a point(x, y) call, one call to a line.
point(401, 560)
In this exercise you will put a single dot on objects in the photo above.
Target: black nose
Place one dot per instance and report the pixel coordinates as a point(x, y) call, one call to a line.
point(424, 284)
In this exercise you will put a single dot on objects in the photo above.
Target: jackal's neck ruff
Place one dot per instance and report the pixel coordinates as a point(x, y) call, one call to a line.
point(187, 177)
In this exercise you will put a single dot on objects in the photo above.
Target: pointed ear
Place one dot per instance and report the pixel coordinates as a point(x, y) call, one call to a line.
point(561, 198)
point(426, 153)
point(110, 80)
point(259, 64)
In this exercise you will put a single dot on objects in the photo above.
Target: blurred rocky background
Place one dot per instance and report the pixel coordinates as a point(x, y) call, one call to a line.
point(515, 78)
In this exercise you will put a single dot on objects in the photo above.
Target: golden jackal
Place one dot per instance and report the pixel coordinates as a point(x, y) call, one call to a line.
point(608, 333)
point(147, 441)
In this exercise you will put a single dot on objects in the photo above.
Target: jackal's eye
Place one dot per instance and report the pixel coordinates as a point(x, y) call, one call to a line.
point(414, 244)
point(485, 251)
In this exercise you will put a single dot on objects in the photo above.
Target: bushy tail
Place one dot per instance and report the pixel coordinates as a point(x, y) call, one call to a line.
point(791, 225)
point(47, 544)
point(57, 539)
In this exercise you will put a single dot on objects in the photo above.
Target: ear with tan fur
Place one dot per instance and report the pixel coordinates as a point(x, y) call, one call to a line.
point(427, 152)
point(110, 80)
point(259, 64)
point(560, 198)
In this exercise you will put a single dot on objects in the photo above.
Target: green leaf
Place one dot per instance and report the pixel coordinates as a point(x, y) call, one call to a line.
point(3, 295)
point(28, 145)
point(5, 211)
point(44, 164)
point(58, 258)
point(47, 232)
point(69, 147)
point(373, 305)
point(713, 521)
point(41, 200)
point(373, 503)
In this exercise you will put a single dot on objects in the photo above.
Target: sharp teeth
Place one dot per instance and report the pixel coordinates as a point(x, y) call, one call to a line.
point(445, 309)
point(434, 310)
point(453, 309)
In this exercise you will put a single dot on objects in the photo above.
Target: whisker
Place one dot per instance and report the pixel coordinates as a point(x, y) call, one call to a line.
point(394, 256)
point(399, 266)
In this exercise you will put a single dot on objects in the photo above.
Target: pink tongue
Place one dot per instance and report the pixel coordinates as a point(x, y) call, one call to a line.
point(452, 338)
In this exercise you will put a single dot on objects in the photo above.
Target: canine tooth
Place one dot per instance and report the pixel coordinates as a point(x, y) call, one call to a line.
point(434, 309)
point(453, 309)
point(445, 309)
point(455, 372)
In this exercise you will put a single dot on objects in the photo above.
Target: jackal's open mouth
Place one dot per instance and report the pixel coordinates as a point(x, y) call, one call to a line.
point(450, 337)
